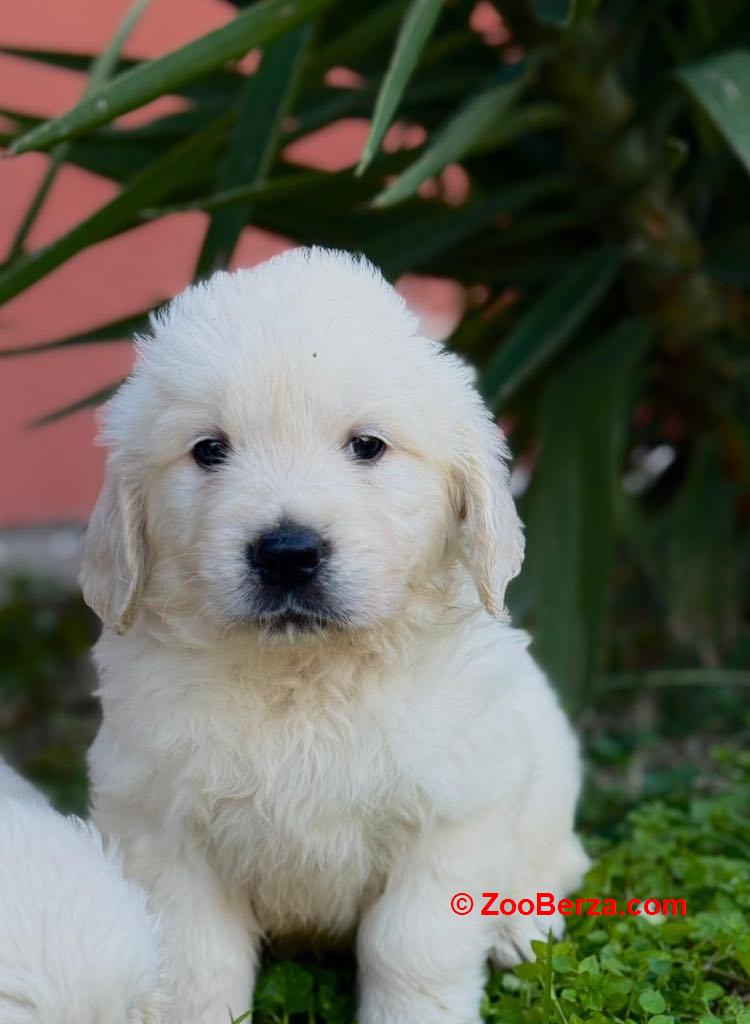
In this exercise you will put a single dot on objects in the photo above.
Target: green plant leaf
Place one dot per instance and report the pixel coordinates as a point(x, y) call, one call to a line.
point(243, 1018)
point(256, 26)
point(418, 22)
point(563, 13)
point(178, 165)
point(285, 987)
point(328, 107)
point(652, 1001)
point(264, 104)
point(276, 190)
point(414, 243)
point(549, 324)
point(116, 330)
point(101, 69)
point(118, 160)
point(721, 85)
point(60, 58)
point(459, 135)
point(704, 571)
point(95, 398)
point(220, 84)
point(170, 128)
point(571, 504)
point(677, 678)
point(523, 120)
point(372, 24)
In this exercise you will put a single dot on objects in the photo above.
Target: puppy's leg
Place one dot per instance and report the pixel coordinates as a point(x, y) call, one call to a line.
point(549, 856)
point(419, 961)
point(554, 866)
point(209, 935)
point(211, 949)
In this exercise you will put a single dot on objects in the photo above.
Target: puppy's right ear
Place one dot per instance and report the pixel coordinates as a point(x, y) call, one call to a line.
point(115, 558)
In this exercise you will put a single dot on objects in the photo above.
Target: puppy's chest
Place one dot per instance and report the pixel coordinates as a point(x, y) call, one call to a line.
point(308, 817)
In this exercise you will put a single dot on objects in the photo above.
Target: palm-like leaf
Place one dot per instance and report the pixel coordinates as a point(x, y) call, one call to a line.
point(597, 231)
point(263, 22)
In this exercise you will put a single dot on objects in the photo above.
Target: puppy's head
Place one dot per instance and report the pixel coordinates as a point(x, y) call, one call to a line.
point(289, 455)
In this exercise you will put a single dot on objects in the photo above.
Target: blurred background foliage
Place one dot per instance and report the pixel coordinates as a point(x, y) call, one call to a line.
point(601, 232)
point(599, 235)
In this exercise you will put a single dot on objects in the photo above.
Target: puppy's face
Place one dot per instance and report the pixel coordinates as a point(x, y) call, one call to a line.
point(290, 456)
point(297, 496)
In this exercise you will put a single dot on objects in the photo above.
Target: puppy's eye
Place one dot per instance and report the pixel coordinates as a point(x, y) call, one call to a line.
point(211, 452)
point(366, 447)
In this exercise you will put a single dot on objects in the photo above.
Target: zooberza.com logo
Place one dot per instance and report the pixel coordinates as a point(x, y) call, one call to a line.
point(544, 904)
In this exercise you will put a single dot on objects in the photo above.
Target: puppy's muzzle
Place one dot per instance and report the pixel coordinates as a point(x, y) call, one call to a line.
point(287, 557)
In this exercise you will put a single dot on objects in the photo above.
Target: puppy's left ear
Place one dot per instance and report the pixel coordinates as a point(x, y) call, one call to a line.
point(115, 561)
point(490, 533)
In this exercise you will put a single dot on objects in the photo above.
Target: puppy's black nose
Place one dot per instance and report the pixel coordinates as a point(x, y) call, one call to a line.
point(287, 556)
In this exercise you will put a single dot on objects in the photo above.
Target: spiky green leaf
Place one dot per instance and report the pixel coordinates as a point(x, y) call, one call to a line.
point(256, 26)
point(721, 85)
point(264, 104)
point(549, 324)
point(418, 22)
point(179, 164)
point(459, 136)
point(116, 330)
point(571, 511)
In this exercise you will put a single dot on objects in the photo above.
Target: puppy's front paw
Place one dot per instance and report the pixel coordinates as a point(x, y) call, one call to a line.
point(513, 943)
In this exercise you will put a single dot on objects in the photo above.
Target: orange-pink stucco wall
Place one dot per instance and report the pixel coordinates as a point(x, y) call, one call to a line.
point(52, 474)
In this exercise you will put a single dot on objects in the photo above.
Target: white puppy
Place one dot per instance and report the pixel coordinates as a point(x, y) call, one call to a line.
point(77, 945)
point(316, 720)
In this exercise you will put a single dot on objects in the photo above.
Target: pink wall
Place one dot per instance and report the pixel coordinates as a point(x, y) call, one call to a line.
point(52, 474)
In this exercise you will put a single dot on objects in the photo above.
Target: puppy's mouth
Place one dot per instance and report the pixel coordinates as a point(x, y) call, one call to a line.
point(290, 624)
point(290, 616)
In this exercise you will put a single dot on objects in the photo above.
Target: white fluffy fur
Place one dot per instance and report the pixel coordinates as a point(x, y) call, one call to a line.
point(13, 785)
point(341, 784)
point(77, 945)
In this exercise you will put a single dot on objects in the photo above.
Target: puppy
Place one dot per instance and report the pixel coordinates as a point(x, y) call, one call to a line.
point(316, 720)
point(77, 945)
